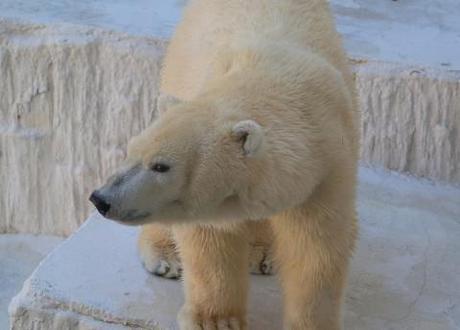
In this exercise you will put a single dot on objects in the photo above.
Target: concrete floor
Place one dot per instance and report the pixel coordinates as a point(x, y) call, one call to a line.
point(19, 255)
point(405, 273)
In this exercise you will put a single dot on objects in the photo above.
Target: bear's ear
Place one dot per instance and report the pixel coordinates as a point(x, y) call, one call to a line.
point(165, 101)
point(251, 136)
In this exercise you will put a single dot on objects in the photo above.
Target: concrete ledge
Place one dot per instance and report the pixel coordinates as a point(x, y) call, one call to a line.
point(404, 274)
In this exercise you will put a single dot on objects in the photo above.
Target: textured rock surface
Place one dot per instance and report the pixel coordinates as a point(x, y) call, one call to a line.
point(410, 119)
point(404, 274)
point(70, 98)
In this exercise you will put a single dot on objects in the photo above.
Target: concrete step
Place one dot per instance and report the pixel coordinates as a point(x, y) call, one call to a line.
point(404, 275)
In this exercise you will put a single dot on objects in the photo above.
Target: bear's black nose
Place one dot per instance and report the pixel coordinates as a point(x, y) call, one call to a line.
point(102, 206)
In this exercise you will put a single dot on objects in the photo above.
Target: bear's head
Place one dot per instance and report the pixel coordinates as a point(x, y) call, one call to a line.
point(195, 162)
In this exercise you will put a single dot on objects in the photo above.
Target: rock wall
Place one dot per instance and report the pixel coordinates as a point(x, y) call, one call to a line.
point(410, 119)
point(71, 96)
point(69, 99)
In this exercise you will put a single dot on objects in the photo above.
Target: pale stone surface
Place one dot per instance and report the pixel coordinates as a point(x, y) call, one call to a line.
point(72, 94)
point(404, 274)
point(19, 256)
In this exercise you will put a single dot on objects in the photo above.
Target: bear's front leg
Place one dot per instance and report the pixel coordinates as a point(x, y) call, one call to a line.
point(215, 272)
point(313, 248)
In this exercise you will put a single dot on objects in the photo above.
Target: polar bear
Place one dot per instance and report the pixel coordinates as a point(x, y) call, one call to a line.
point(258, 122)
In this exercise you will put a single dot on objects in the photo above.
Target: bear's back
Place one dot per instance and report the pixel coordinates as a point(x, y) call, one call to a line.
point(212, 26)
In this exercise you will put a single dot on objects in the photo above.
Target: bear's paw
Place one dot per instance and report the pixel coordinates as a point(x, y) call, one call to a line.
point(160, 266)
point(191, 321)
point(167, 268)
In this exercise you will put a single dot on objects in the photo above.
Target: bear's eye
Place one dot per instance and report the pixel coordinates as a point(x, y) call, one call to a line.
point(161, 168)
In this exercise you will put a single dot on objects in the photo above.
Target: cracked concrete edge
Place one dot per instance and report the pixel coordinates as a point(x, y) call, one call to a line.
point(32, 313)
point(34, 309)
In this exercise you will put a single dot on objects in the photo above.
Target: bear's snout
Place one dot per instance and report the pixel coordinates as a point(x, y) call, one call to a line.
point(101, 205)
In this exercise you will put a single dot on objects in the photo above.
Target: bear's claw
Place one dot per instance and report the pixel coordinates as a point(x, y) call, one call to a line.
point(188, 321)
point(172, 269)
point(260, 262)
point(265, 266)
point(160, 265)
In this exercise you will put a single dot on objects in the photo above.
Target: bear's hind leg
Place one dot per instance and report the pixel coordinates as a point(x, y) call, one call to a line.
point(158, 252)
point(215, 276)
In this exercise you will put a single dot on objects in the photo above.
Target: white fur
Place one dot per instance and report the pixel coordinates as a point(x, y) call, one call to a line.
point(274, 73)
point(252, 136)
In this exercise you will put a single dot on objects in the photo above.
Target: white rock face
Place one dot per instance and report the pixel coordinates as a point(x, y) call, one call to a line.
point(410, 119)
point(70, 99)
point(404, 274)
